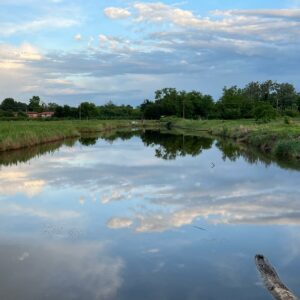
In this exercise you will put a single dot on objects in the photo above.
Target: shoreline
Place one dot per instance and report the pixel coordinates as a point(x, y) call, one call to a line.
point(276, 138)
point(21, 135)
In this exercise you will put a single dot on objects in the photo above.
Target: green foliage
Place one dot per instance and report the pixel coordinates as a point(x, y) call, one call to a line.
point(9, 104)
point(293, 113)
point(87, 110)
point(287, 120)
point(170, 102)
point(235, 103)
point(287, 149)
point(16, 135)
point(35, 104)
point(232, 103)
point(273, 138)
point(264, 112)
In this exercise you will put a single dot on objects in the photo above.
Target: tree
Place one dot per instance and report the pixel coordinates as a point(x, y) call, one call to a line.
point(267, 90)
point(286, 96)
point(203, 105)
point(170, 102)
point(252, 91)
point(9, 104)
point(231, 102)
point(264, 112)
point(88, 110)
point(34, 104)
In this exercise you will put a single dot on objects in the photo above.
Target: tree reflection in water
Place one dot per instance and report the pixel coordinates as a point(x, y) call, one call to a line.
point(168, 145)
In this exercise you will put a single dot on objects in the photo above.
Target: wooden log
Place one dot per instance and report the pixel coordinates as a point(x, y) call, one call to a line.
point(272, 281)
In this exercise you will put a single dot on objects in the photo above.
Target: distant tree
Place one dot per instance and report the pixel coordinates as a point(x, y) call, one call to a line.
point(152, 111)
point(35, 104)
point(231, 102)
point(52, 106)
point(66, 112)
point(170, 102)
point(252, 92)
point(9, 104)
point(268, 89)
point(202, 105)
point(285, 97)
point(264, 112)
point(88, 110)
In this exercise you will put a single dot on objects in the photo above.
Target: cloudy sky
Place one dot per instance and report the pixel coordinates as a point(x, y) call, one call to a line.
point(99, 50)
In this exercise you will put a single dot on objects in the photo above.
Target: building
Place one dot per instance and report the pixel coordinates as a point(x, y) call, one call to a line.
point(32, 115)
point(36, 115)
point(46, 114)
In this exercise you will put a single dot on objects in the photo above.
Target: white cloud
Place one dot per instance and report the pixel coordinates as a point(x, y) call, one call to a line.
point(103, 38)
point(265, 24)
point(117, 223)
point(159, 12)
point(274, 13)
point(8, 29)
point(25, 52)
point(78, 37)
point(256, 44)
point(116, 13)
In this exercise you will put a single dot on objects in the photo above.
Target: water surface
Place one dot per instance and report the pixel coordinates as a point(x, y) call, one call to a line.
point(143, 215)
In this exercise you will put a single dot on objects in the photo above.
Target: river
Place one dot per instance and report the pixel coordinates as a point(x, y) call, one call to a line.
point(145, 215)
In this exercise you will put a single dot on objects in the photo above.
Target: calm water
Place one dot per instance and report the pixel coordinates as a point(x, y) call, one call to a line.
point(114, 217)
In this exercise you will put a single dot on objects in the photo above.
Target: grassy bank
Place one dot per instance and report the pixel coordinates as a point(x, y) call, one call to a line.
point(280, 138)
point(17, 135)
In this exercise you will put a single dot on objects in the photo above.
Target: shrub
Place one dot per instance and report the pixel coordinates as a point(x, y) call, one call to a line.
point(287, 120)
point(264, 112)
point(287, 149)
point(291, 113)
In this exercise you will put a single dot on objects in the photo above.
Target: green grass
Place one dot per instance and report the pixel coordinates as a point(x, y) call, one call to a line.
point(277, 137)
point(20, 134)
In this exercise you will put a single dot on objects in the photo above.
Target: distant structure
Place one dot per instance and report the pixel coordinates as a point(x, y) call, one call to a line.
point(36, 115)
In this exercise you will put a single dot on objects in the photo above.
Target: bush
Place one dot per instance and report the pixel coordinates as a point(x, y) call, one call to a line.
point(287, 149)
point(287, 120)
point(291, 113)
point(264, 112)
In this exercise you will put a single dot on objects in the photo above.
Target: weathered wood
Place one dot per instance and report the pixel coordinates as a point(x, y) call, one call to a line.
point(272, 281)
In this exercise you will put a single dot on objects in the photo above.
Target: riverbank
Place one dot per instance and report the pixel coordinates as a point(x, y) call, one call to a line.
point(279, 138)
point(23, 134)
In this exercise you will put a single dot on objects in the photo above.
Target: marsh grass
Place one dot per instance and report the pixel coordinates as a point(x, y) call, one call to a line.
point(278, 137)
point(21, 134)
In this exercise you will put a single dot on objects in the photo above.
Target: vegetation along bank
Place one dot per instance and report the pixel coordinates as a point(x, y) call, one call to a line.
point(21, 134)
point(280, 137)
point(265, 115)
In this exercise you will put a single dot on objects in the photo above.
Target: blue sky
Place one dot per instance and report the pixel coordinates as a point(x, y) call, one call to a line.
point(72, 51)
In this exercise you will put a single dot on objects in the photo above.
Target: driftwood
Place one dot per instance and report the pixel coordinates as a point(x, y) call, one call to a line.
point(272, 281)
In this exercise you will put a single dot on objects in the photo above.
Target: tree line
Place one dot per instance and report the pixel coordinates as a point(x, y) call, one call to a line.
point(10, 108)
point(257, 100)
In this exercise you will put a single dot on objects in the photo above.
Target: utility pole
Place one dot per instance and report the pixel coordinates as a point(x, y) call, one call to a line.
point(183, 109)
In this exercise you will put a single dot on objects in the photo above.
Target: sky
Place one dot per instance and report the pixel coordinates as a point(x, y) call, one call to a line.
point(122, 51)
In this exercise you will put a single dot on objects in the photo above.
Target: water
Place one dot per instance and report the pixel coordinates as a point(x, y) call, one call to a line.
point(143, 215)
